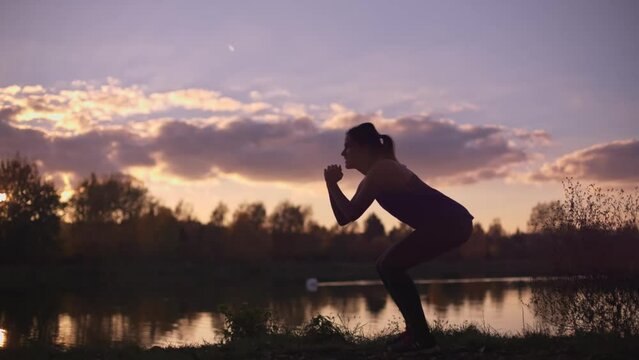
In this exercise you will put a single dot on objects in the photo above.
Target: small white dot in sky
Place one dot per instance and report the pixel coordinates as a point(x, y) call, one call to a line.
point(3, 197)
point(231, 48)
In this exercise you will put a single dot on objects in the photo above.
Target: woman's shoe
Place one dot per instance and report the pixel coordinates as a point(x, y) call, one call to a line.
point(409, 343)
point(397, 338)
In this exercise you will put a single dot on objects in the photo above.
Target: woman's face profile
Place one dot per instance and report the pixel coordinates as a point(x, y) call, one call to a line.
point(354, 154)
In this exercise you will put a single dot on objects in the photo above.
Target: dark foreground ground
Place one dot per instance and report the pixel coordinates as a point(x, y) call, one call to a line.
point(461, 343)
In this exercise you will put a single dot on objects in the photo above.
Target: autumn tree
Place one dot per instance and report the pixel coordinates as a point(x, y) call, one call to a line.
point(249, 216)
point(373, 227)
point(288, 218)
point(546, 217)
point(218, 215)
point(289, 239)
point(157, 232)
point(248, 237)
point(29, 213)
point(496, 230)
point(112, 199)
point(184, 211)
point(477, 246)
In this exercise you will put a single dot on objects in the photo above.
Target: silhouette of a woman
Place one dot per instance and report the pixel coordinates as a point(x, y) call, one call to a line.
point(439, 222)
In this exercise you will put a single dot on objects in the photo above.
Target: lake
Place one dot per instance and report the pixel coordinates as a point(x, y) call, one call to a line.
point(191, 316)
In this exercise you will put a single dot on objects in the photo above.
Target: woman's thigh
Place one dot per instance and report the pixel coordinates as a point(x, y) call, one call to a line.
point(425, 243)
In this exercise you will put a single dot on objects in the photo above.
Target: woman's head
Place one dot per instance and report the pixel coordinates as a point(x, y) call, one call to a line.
point(364, 145)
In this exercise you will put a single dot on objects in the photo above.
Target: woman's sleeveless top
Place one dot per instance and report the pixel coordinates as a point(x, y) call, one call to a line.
point(418, 204)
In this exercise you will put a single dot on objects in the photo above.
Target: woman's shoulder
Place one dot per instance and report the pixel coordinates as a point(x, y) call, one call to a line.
point(390, 172)
point(389, 165)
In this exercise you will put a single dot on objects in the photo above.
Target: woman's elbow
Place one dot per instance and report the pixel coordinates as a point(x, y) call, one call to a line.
point(347, 220)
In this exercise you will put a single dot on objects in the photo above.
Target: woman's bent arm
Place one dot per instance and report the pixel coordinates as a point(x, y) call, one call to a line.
point(350, 210)
point(336, 196)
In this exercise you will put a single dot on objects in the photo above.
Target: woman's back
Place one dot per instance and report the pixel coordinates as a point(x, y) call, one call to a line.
point(404, 195)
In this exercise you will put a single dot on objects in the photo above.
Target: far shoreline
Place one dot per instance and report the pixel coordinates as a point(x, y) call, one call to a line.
point(131, 273)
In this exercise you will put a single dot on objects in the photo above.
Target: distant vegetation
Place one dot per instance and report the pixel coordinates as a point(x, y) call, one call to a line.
point(115, 217)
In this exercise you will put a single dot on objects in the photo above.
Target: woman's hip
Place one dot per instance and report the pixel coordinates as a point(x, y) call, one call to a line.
point(452, 230)
point(426, 243)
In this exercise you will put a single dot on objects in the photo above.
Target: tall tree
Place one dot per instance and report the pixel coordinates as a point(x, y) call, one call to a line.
point(287, 225)
point(111, 199)
point(373, 227)
point(30, 212)
point(250, 216)
point(184, 211)
point(218, 215)
point(248, 237)
point(288, 218)
point(546, 217)
point(496, 230)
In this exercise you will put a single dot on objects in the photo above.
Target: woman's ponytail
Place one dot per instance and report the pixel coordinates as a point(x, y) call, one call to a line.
point(388, 147)
point(365, 134)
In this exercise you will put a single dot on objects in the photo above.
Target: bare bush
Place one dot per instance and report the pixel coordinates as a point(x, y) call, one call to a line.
point(596, 239)
point(593, 231)
point(593, 208)
point(596, 304)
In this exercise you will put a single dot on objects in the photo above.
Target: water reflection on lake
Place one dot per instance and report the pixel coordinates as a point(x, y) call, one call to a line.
point(190, 316)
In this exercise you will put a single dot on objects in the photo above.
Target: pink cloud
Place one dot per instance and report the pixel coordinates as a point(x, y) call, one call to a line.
point(614, 162)
point(285, 148)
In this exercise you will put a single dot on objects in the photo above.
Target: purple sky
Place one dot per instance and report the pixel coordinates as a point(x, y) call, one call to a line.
point(493, 102)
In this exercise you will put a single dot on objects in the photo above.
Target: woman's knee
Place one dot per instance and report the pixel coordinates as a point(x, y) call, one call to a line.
point(386, 266)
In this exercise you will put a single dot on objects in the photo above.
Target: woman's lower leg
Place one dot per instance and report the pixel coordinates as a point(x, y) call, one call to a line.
point(403, 291)
point(420, 246)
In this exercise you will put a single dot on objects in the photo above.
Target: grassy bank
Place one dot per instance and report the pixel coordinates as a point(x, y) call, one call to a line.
point(168, 274)
point(326, 342)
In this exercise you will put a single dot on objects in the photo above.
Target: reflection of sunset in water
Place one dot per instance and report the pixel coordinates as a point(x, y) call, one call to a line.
point(504, 312)
point(192, 317)
point(194, 329)
point(66, 333)
point(201, 327)
point(3, 338)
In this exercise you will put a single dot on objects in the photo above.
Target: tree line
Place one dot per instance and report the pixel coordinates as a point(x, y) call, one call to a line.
point(114, 216)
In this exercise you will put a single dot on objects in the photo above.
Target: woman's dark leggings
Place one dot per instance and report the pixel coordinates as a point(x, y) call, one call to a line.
point(423, 244)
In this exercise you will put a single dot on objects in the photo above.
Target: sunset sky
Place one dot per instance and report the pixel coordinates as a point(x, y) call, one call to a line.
point(491, 102)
